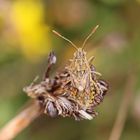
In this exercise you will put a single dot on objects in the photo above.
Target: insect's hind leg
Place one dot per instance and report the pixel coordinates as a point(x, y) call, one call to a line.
point(94, 78)
point(94, 72)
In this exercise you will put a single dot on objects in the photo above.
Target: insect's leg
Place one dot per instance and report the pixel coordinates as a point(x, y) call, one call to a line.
point(103, 86)
point(97, 73)
point(96, 86)
point(94, 72)
point(51, 62)
point(91, 59)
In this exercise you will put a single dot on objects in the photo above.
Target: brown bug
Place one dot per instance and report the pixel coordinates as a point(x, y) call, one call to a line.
point(83, 76)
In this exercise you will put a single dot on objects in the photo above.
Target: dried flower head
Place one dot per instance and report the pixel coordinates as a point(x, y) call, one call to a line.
point(58, 96)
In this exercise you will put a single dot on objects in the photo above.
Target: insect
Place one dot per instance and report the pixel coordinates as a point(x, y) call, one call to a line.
point(83, 76)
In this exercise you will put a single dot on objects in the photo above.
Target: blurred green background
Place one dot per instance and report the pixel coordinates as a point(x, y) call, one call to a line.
point(26, 39)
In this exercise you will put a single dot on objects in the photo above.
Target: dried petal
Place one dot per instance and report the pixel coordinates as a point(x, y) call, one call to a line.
point(50, 109)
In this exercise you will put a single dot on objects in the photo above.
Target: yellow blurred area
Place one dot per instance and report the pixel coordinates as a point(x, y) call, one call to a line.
point(33, 34)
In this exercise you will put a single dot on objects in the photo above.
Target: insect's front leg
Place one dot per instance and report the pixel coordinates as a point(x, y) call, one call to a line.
point(90, 60)
point(93, 70)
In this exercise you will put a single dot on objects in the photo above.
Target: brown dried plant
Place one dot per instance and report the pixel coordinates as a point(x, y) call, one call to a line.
point(74, 92)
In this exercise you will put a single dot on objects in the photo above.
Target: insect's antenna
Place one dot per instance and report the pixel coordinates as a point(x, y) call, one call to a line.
point(65, 39)
point(87, 38)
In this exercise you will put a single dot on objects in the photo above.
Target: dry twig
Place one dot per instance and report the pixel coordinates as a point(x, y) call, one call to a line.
point(122, 113)
point(21, 121)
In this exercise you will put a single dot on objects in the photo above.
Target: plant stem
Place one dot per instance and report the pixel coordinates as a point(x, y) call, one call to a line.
point(123, 110)
point(21, 121)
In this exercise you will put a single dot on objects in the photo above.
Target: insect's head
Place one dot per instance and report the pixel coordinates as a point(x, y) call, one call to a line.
point(79, 51)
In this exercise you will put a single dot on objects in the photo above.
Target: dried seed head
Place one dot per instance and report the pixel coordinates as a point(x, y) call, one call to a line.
point(75, 92)
point(64, 103)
